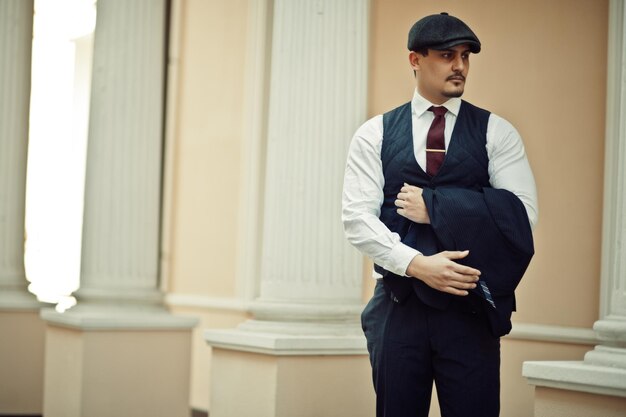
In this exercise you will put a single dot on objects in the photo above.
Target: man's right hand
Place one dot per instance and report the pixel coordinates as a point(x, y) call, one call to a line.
point(440, 272)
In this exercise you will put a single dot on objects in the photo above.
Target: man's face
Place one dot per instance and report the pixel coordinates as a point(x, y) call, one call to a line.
point(441, 74)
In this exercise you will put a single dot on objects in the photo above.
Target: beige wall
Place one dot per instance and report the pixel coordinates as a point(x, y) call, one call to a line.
point(206, 151)
point(543, 67)
point(201, 354)
point(207, 147)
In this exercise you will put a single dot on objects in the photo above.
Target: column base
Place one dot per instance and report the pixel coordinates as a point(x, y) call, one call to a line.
point(19, 299)
point(117, 364)
point(612, 330)
point(285, 328)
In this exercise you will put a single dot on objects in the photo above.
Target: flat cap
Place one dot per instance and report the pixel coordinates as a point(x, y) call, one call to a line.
point(441, 31)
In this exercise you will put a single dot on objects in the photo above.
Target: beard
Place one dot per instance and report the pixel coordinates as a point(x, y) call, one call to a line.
point(457, 89)
point(454, 93)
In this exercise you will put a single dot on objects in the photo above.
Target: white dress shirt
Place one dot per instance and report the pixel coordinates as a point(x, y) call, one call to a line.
point(363, 182)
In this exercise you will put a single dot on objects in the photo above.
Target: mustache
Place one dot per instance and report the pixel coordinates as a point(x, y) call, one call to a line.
point(456, 77)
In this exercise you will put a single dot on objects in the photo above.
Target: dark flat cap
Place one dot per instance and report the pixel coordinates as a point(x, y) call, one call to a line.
point(441, 31)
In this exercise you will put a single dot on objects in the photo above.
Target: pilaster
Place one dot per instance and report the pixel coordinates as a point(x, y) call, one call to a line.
point(120, 244)
point(16, 32)
point(317, 98)
point(310, 278)
point(119, 303)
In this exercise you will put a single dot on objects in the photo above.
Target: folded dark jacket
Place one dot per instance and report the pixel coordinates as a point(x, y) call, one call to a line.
point(492, 224)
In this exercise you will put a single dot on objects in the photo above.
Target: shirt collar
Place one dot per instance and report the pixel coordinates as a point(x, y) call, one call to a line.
point(420, 105)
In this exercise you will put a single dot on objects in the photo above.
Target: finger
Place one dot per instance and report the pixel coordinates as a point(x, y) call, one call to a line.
point(464, 285)
point(403, 196)
point(399, 203)
point(401, 212)
point(454, 291)
point(456, 254)
point(467, 271)
point(462, 279)
point(464, 270)
point(413, 188)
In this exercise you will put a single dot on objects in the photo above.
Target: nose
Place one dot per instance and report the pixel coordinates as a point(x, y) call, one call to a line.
point(457, 64)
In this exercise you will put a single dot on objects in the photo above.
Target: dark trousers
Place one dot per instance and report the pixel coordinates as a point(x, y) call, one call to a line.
point(411, 345)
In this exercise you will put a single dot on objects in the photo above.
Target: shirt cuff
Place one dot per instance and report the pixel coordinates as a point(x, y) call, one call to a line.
point(400, 257)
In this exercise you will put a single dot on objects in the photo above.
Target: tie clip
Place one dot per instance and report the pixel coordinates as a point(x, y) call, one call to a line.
point(435, 150)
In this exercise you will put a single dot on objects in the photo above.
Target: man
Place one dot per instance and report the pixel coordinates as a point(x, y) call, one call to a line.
point(440, 195)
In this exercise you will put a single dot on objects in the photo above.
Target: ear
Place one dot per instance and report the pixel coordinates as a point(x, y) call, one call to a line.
point(415, 60)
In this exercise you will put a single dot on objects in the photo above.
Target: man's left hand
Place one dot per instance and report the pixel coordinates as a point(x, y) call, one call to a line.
point(411, 205)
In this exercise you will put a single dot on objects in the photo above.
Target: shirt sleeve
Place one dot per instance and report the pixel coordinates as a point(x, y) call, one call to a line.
point(508, 165)
point(362, 199)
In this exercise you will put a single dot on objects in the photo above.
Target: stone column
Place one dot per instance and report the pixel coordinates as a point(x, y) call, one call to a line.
point(317, 98)
point(120, 331)
point(120, 249)
point(603, 371)
point(21, 352)
point(310, 291)
point(611, 328)
point(16, 37)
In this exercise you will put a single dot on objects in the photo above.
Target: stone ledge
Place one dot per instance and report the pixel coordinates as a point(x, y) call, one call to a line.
point(552, 333)
point(286, 344)
point(576, 376)
point(118, 320)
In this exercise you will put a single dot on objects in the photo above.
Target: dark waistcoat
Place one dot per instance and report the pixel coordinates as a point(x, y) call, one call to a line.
point(465, 166)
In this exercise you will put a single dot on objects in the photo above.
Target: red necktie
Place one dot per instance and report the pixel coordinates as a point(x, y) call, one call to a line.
point(435, 141)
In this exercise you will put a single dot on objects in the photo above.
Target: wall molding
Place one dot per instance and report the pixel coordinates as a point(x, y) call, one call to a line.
point(521, 331)
point(208, 302)
point(554, 334)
